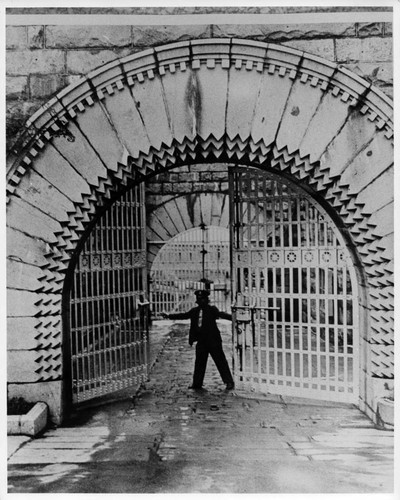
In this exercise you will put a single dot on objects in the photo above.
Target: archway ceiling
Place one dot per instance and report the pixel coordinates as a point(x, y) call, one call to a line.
point(230, 99)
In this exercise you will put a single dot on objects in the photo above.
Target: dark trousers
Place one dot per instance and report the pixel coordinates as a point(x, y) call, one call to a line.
point(218, 356)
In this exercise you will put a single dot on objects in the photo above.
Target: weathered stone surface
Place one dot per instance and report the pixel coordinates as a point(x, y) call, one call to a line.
point(148, 36)
point(388, 29)
point(17, 87)
point(383, 184)
point(178, 89)
point(25, 248)
point(350, 139)
point(383, 219)
point(87, 36)
point(21, 333)
point(276, 89)
point(51, 392)
point(17, 113)
point(44, 86)
point(377, 73)
point(44, 62)
point(242, 98)
point(30, 220)
point(149, 100)
point(328, 119)
point(322, 48)
point(36, 37)
point(16, 37)
point(35, 421)
point(365, 50)
point(17, 298)
point(127, 121)
point(23, 276)
point(281, 32)
point(73, 152)
point(35, 190)
point(302, 104)
point(83, 61)
point(368, 164)
point(60, 173)
point(369, 29)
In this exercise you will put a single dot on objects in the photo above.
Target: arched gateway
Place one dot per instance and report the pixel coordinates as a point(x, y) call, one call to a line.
point(254, 104)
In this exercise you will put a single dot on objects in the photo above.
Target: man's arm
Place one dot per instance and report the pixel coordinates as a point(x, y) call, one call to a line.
point(184, 315)
point(224, 315)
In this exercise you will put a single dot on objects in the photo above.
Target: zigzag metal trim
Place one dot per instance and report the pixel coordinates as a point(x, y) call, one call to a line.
point(198, 150)
point(244, 55)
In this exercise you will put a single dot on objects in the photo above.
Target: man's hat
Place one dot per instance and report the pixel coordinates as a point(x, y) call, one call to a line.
point(202, 294)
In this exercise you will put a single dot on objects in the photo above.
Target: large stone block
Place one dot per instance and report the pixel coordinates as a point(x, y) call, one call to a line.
point(37, 191)
point(21, 366)
point(347, 143)
point(58, 171)
point(49, 392)
point(282, 32)
point(17, 87)
point(328, 119)
point(83, 61)
point(274, 88)
point(369, 29)
point(377, 49)
point(300, 109)
point(322, 48)
point(87, 36)
point(149, 100)
point(28, 219)
point(149, 36)
point(24, 248)
point(36, 37)
point(178, 89)
point(23, 276)
point(73, 152)
point(368, 164)
point(21, 333)
point(44, 86)
point(127, 121)
point(43, 62)
point(16, 37)
point(377, 73)
point(242, 98)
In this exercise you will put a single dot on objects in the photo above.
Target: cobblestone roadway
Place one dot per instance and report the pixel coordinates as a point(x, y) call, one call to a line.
point(174, 440)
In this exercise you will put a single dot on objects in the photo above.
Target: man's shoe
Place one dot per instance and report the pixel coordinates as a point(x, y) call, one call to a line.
point(195, 387)
point(230, 386)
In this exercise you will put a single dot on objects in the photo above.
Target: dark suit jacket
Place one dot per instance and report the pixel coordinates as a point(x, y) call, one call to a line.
point(209, 332)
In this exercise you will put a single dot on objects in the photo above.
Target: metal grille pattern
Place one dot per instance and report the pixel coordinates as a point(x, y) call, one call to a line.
point(182, 265)
point(108, 308)
point(295, 312)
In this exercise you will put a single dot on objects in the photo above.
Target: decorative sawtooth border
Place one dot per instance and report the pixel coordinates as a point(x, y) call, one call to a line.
point(176, 155)
point(246, 56)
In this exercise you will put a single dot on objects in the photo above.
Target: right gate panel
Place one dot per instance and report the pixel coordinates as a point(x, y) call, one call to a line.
point(295, 315)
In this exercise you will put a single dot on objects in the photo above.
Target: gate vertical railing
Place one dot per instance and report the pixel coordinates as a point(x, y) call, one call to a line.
point(108, 304)
point(295, 289)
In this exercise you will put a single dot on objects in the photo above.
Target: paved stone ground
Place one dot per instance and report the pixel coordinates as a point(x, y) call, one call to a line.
point(170, 439)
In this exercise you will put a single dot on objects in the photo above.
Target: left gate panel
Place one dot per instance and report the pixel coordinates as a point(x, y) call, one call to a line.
point(108, 320)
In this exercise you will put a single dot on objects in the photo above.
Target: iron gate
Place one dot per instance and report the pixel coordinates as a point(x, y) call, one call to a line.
point(108, 306)
point(295, 311)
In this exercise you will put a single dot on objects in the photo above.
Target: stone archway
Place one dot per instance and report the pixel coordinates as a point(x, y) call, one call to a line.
point(210, 100)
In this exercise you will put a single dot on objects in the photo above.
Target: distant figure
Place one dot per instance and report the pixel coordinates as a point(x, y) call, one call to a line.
point(204, 331)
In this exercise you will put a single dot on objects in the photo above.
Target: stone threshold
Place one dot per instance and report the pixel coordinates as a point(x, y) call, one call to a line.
point(29, 424)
